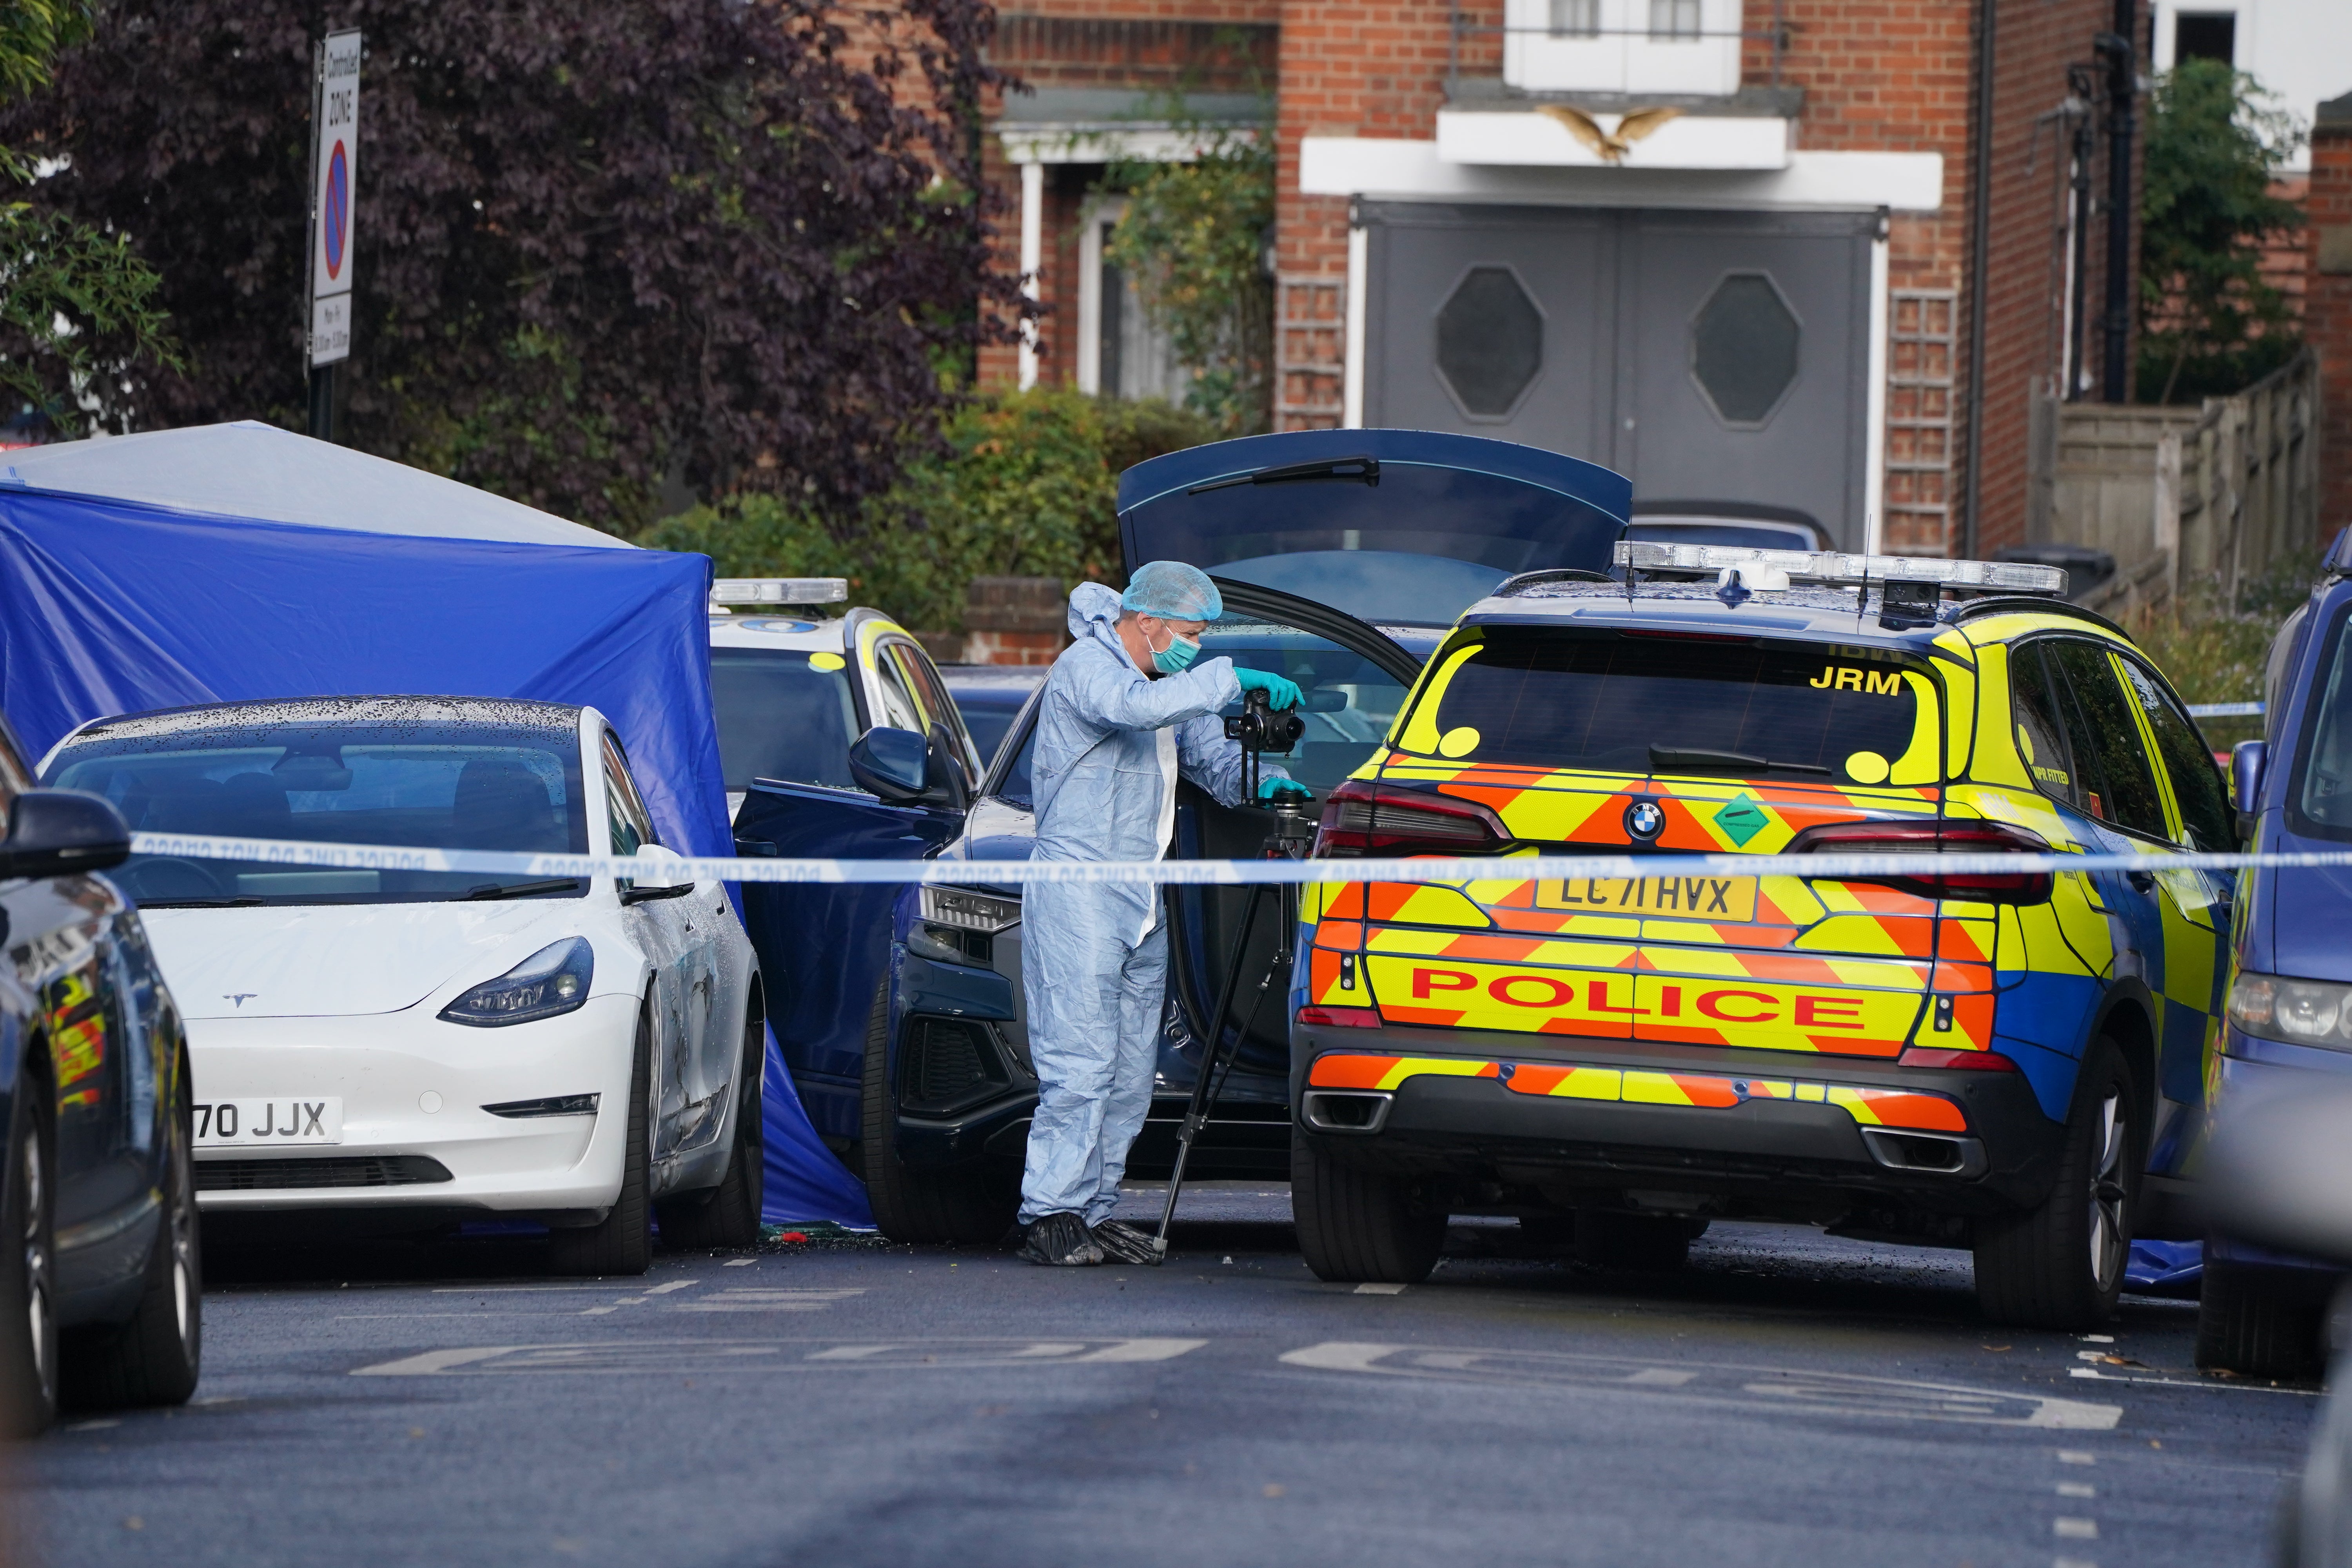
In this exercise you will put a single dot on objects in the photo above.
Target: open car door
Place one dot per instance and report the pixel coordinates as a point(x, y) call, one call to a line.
point(1354, 678)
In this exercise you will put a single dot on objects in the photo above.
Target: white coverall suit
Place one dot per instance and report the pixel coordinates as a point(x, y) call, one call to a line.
point(1094, 959)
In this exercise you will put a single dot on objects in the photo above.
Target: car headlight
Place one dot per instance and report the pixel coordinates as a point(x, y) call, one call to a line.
point(969, 912)
point(2301, 1012)
point(552, 981)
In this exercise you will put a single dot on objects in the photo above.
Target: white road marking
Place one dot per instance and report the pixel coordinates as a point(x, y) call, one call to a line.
point(2075, 1529)
point(1815, 1393)
point(671, 1356)
point(739, 1262)
point(1371, 1289)
point(667, 1286)
point(433, 1363)
point(2072, 1563)
point(506, 1289)
point(2077, 1488)
point(98, 1426)
point(2095, 1375)
point(757, 1298)
point(2076, 1456)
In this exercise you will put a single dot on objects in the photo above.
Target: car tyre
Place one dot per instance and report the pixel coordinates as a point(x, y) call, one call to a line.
point(727, 1216)
point(1360, 1226)
point(973, 1205)
point(157, 1357)
point(2060, 1264)
point(1651, 1244)
point(2256, 1324)
point(28, 1322)
point(623, 1242)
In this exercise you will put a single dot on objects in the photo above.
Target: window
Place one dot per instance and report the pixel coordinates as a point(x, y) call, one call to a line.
point(2207, 35)
point(915, 667)
point(1121, 353)
point(1542, 699)
point(2206, 822)
point(1673, 21)
point(782, 714)
point(1744, 348)
point(1489, 342)
point(1575, 18)
point(900, 709)
point(2320, 800)
point(421, 784)
point(2041, 730)
point(631, 827)
point(2116, 784)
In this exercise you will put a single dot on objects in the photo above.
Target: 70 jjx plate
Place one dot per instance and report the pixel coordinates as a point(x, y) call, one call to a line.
point(266, 1124)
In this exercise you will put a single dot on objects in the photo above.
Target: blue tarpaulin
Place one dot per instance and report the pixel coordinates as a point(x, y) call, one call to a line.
point(110, 607)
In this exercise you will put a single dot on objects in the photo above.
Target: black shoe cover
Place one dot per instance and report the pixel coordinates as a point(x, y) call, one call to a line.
point(1060, 1241)
point(1122, 1243)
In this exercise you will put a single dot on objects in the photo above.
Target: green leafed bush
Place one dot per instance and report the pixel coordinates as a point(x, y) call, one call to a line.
point(1027, 488)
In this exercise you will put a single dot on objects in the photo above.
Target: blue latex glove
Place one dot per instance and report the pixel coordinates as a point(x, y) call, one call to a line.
point(1279, 693)
point(1283, 789)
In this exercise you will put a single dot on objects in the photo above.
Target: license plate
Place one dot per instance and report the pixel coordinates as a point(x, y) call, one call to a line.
point(258, 1124)
point(1729, 898)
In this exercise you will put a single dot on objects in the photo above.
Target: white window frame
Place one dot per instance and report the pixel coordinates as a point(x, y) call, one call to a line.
point(1623, 58)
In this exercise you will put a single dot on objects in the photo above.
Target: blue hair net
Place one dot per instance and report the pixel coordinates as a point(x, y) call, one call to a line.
point(1173, 592)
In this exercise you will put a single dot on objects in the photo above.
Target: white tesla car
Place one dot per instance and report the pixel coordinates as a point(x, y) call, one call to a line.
point(442, 1045)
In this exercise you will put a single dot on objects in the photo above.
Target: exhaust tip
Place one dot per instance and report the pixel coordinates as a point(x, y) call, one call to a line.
point(1332, 1111)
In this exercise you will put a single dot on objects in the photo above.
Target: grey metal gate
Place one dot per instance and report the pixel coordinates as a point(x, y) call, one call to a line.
point(1706, 355)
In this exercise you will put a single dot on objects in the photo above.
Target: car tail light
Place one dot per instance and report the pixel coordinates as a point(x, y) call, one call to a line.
point(1361, 818)
point(1341, 1017)
point(1964, 1061)
point(1935, 838)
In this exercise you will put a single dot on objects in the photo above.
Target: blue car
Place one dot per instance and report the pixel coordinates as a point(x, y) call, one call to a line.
point(1342, 556)
point(2289, 1019)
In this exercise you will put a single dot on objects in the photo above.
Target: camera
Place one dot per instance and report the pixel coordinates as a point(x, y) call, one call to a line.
point(1259, 728)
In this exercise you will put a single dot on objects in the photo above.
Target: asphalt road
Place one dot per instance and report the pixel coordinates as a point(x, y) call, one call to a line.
point(1787, 1399)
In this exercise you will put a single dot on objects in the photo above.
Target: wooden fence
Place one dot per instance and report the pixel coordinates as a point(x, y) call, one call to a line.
point(2176, 495)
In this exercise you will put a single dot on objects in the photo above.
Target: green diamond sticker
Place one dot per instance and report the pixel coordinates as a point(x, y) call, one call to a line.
point(1741, 820)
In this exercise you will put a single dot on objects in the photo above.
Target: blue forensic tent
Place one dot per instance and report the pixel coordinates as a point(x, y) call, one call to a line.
point(111, 605)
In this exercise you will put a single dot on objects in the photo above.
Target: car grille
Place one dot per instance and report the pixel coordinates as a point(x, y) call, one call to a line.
point(355, 1171)
point(947, 1063)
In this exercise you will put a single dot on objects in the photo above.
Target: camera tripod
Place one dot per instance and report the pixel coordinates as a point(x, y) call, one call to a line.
point(1293, 833)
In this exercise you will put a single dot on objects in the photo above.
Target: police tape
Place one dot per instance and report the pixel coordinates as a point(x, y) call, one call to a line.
point(669, 871)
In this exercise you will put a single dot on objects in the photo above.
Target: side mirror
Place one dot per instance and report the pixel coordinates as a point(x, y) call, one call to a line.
point(891, 763)
point(2280, 1171)
point(661, 877)
point(60, 832)
point(2246, 760)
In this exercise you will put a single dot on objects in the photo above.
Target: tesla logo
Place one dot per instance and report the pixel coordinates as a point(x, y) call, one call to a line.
point(239, 998)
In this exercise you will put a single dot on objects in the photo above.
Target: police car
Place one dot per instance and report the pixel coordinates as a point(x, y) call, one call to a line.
point(796, 685)
point(1991, 1061)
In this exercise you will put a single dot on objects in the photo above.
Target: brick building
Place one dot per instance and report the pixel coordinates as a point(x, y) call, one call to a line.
point(1726, 248)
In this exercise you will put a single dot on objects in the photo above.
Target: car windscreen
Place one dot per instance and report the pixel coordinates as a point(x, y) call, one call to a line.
point(422, 785)
point(783, 713)
point(2320, 795)
point(1349, 701)
point(1641, 703)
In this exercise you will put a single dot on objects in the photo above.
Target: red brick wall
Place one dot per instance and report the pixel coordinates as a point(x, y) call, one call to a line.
point(2327, 321)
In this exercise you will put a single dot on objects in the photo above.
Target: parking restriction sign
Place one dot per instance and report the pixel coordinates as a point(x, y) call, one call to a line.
point(333, 193)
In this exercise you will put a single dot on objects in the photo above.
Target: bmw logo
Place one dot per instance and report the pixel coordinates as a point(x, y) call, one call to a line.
point(1645, 819)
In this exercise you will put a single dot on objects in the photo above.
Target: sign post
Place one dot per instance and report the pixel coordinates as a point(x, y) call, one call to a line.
point(335, 148)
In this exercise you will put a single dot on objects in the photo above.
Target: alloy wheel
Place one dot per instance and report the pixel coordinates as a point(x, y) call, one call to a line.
point(38, 1307)
point(2110, 1243)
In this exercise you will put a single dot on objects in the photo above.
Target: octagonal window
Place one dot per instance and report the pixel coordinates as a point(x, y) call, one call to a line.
point(1744, 348)
point(1489, 342)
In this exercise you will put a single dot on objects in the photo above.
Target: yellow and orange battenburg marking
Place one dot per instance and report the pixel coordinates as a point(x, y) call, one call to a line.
point(1901, 1109)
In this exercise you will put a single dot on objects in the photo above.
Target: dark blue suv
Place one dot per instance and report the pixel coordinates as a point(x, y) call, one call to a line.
point(1342, 556)
point(2289, 1006)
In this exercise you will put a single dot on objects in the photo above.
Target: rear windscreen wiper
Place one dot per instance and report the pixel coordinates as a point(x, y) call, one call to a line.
point(1363, 468)
point(1734, 761)
point(246, 902)
point(521, 890)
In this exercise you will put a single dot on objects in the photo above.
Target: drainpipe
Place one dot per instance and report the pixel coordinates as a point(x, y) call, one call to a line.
point(1980, 284)
point(2122, 86)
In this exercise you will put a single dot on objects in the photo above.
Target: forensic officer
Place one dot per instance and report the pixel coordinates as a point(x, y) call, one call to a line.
point(1126, 710)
